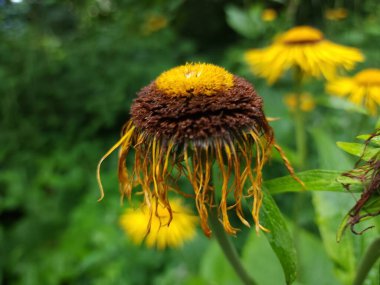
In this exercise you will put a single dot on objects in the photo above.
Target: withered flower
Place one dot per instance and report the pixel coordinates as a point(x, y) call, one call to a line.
point(190, 119)
point(367, 172)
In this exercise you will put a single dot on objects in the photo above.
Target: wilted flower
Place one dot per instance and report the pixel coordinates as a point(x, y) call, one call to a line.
point(336, 14)
point(307, 102)
point(304, 48)
point(362, 89)
point(268, 15)
point(165, 230)
point(191, 119)
point(366, 172)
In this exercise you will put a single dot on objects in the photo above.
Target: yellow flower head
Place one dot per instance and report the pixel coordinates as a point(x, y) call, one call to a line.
point(268, 15)
point(194, 79)
point(363, 89)
point(188, 121)
point(163, 230)
point(336, 14)
point(304, 48)
point(307, 102)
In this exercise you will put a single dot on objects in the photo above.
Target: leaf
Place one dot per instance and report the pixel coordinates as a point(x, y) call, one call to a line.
point(360, 150)
point(329, 155)
point(374, 140)
point(245, 23)
point(279, 237)
point(315, 268)
point(341, 104)
point(331, 208)
point(314, 180)
point(261, 260)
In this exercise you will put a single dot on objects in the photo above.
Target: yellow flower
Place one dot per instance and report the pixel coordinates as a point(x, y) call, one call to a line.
point(268, 15)
point(154, 23)
point(190, 120)
point(362, 89)
point(304, 48)
point(163, 230)
point(307, 102)
point(194, 79)
point(336, 14)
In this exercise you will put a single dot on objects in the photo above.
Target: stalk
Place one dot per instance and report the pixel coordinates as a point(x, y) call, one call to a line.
point(228, 248)
point(299, 119)
point(371, 256)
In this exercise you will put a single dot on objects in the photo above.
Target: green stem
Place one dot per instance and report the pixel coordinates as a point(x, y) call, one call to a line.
point(228, 248)
point(299, 120)
point(369, 259)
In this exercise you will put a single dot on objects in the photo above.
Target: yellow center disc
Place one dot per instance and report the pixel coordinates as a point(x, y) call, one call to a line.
point(301, 34)
point(194, 79)
point(368, 77)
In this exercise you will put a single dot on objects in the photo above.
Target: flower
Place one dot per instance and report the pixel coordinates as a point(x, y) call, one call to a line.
point(304, 48)
point(190, 120)
point(268, 15)
point(367, 174)
point(164, 231)
point(154, 23)
point(336, 14)
point(361, 89)
point(307, 102)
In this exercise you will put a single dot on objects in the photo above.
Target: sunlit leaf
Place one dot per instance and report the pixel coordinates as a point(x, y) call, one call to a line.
point(360, 150)
point(314, 180)
point(375, 140)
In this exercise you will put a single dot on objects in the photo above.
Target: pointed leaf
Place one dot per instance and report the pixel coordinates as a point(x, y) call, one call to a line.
point(360, 150)
point(314, 180)
point(279, 237)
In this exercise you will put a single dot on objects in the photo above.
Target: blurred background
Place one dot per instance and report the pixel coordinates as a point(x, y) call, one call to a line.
point(69, 71)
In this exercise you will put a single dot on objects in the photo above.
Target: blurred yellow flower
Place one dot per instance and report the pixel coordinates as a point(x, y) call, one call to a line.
point(159, 229)
point(362, 89)
point(307, 103)
point(305, 48)
point(154, 23)
point(268, 15)
point(336, 14)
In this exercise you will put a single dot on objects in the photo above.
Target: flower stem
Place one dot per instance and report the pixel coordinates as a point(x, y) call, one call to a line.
point(228, 248)
point(369, 259)
point(299, 122)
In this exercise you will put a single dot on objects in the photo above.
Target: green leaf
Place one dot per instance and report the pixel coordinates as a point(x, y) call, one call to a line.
point(329, 156)
point(261, 260)
point(331, 208)
point(246, 23)
point(279, 237)
point(375, 140)
point(316, 267)
point(341, 104)
point(360, 150)
point(314, 180)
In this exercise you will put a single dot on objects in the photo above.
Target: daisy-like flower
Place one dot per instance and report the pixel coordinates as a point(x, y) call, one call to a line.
point(336, 14)
point(362, 89)
point(191, 119)
point(304, 48)
point(307, 103)
point(268, 15)
point(165, 230)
